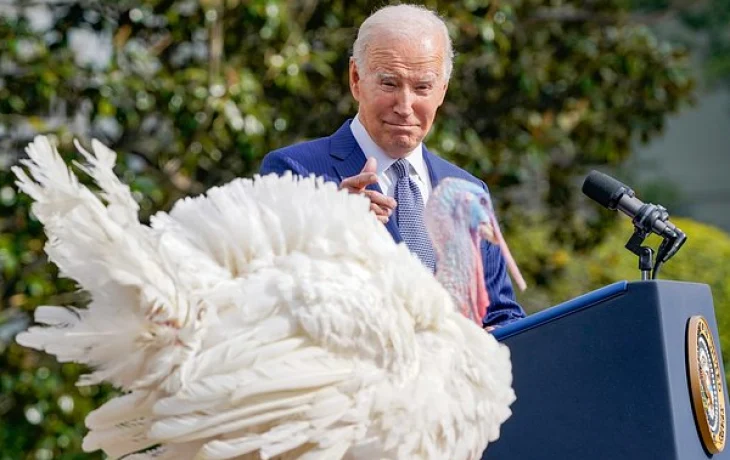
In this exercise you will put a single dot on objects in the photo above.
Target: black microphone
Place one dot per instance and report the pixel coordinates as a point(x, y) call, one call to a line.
point(647, 217)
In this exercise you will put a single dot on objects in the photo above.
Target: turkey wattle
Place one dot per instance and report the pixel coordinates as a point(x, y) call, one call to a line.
point(247, 323)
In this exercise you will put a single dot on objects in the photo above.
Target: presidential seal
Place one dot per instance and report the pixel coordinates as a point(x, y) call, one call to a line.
point(707, 389)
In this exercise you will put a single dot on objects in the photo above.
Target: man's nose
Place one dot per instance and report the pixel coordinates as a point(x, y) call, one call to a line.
point(404, 103)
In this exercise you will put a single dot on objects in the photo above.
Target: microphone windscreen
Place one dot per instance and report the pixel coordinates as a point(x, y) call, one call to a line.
point(603, 189)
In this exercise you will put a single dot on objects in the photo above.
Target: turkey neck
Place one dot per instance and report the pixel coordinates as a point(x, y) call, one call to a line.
point(460, 271)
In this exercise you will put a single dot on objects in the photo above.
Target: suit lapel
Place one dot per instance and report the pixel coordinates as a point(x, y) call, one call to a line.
point(349, 159)
point(435, 170)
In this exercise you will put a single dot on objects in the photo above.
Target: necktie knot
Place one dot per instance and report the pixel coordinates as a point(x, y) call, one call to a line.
point(400, 167)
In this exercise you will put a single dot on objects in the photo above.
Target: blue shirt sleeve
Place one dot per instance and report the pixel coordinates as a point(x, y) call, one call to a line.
point(278, 163)
point(503, 307)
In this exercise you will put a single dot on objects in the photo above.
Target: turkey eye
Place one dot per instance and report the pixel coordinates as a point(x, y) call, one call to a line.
point(483, 201)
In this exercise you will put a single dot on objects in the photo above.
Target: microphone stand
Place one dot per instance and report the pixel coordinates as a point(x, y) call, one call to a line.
point(672, 240)
point(645, 253)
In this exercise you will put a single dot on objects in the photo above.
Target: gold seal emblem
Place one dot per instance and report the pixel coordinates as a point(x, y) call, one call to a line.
point(707, 388)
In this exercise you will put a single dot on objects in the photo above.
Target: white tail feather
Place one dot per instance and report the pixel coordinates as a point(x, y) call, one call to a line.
point(153, 324)
point(121, 408)
point(121, 205)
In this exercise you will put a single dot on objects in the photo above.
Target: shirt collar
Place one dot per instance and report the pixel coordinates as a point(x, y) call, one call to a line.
point(371, 149)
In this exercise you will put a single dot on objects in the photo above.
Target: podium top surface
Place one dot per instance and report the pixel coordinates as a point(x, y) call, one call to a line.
point(560, 310)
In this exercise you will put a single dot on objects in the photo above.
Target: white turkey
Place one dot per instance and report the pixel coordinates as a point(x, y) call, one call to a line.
point(246, 323)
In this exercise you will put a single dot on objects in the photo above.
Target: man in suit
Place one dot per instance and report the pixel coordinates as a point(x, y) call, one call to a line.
point(399, 73)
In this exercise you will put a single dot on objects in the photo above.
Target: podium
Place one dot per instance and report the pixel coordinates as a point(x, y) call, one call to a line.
point(630, 371)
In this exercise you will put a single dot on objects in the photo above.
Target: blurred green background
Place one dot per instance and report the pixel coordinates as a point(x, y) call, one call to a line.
point(192, 94)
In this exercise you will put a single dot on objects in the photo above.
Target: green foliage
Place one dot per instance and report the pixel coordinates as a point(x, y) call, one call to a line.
point(703, 259)
point(192, 94)
point(714, 19)
point(709, 21)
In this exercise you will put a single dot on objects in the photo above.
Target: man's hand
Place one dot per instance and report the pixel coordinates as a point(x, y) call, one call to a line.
point(380, 204)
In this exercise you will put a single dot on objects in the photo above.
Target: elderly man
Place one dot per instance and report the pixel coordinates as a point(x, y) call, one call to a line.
point(399, 73)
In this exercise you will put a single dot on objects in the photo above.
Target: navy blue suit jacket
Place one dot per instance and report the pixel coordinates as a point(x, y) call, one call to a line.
point(339, 156)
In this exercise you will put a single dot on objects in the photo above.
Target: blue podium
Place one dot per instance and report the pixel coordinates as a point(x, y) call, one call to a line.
point(630, 371)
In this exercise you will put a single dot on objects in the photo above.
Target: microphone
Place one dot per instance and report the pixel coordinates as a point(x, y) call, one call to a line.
point(646, 217)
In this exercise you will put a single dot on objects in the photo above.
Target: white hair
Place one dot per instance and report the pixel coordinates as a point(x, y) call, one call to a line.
point(409, 21)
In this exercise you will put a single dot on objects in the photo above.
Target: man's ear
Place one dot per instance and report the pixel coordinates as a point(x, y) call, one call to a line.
point(443, 92)
point(354, 79)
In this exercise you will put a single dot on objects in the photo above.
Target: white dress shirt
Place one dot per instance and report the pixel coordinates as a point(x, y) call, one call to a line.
point(386, 176)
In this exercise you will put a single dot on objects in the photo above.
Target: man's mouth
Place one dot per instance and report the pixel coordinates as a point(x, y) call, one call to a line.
point(400, 125)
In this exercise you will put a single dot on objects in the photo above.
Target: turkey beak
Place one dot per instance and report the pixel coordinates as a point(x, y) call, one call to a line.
point(486, 231)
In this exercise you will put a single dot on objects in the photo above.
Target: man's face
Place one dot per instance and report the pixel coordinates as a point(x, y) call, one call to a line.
point(400, 90)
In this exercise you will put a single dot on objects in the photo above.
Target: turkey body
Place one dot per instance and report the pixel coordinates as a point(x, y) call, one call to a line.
point(247, 323)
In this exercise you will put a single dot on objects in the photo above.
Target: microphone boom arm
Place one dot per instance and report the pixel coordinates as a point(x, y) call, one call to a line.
point(672, 239)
